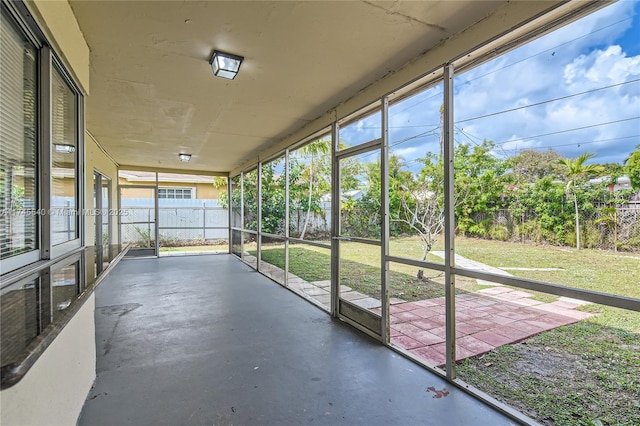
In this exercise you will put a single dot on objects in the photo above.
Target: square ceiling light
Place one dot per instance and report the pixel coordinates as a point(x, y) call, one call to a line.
point(184, 157)
point(225, 65)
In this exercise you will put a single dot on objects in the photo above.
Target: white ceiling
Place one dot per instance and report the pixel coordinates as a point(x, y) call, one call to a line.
point(153, 93)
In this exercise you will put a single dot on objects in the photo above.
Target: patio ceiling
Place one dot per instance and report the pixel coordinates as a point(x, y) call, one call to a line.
point(153, 93)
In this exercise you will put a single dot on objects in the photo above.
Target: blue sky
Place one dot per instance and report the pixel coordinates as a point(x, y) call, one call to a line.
point(593, 64)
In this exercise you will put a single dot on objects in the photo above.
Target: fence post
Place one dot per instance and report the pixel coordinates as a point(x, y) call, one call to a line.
point(204, 222)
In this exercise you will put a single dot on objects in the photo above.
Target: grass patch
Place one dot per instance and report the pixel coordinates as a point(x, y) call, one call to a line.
point(583, 374)
point(312, 265)
point(589, 269)
point(574, 375)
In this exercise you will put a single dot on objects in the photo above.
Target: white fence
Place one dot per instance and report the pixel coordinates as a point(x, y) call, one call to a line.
point(177, 226)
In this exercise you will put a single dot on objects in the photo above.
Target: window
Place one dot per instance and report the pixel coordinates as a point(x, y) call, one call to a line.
point(41, 133)
point(18, 130)
point(176, 193)
point(64, 154)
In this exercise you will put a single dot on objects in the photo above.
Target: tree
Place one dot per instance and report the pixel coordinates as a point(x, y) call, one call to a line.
point(632, 168)
point(312, 150)
point(530, 165)
point(578, 172)
point(481, 186)
point(421, 200)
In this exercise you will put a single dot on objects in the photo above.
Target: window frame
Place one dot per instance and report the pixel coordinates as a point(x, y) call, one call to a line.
point(46, 62)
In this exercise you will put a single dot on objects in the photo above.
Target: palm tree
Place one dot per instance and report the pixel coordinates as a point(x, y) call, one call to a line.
point(577, 172)
point(313, 149)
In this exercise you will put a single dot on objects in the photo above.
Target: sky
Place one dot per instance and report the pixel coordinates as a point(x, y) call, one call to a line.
point(574, 90)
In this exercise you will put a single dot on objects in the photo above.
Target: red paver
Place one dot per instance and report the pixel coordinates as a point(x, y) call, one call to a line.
point(406, 328)
point(426, 303)
point(484, 320)
point(431, 354)
point(513, 333)
point(468, 328)
point(501, 319)
point(525, 326)
point(406, 342)
point(407, 316)
point(427, 338)
point(400, 307)
point(424, 312)
point(476, 346)
point(492, 338)
point(426, 324)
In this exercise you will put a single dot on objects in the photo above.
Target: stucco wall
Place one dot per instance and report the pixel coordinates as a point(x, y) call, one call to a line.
point(96, 160)
point(54, 390)
point(57, 21)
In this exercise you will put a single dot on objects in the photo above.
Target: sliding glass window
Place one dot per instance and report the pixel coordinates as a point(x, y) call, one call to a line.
point(64, 155)
point(18, 153)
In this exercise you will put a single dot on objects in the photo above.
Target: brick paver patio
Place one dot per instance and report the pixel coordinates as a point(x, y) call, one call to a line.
point(486, 319)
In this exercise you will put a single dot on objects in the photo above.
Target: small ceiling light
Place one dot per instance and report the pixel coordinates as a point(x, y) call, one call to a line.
point(225, 65)
point(65, 149)
point(184, 157)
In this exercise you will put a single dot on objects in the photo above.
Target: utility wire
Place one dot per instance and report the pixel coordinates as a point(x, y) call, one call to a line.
point(546, 50)
point(569, 130)
point(548, 101)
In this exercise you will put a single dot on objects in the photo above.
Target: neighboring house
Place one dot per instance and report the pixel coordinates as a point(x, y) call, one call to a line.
point(171, 186)
point(622, 183)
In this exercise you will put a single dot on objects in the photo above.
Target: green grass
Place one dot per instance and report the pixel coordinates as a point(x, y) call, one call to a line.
point(583, 374)
point(589, 269)
point(573, 375)
point(313, 264)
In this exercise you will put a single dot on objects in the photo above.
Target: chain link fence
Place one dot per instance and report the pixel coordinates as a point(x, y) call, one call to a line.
point(613, 228)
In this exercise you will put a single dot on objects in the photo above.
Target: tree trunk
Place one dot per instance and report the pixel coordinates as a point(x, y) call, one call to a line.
point(575, 203)
point(306, 220)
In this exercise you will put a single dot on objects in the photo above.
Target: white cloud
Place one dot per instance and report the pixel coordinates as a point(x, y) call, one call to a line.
point(407, 152)
point(586, 55)
point(608, 66)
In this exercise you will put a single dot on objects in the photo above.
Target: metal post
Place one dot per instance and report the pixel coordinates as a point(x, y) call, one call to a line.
point(241, 215)
point(156, 218)
point(449, 224)
point(79, 217)
point(384, 209)
point(259, 218)
point(286, 218)
point(230, 213)
point(335, 221)
point(45, 151)
point(204, 223)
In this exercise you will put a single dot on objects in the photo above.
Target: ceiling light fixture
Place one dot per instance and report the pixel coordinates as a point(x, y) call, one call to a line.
point(184, 157)
point(64, 149)
point(225, 65)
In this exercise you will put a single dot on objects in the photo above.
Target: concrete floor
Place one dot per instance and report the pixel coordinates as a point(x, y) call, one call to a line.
point(205, 340)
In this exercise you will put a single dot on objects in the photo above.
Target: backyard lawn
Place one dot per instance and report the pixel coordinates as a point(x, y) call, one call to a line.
point(597, 270)
point(587, 373)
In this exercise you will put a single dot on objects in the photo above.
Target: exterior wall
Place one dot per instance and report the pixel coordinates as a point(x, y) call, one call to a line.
point(54, 389)
point(96, 160)
point(59, 24)
point(207, 191)
point(204, 191)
